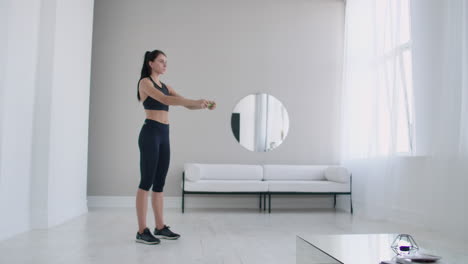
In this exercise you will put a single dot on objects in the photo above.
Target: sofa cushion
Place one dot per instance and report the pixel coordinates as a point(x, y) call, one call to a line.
point(337, 174)
point(226, 186)
point(192, 171)
point(294, 172)
point(198, 171)
point(307, 186)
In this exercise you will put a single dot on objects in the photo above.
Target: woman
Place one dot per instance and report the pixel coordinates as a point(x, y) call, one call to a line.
point(154, 143)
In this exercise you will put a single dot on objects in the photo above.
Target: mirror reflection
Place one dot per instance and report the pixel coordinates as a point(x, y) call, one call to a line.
point(260, 122)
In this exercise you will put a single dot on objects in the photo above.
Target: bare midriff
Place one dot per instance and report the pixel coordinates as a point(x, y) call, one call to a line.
point(158, 115)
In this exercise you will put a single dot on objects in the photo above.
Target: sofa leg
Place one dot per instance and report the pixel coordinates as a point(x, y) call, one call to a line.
point(269, 203)
point(334, 201)
point(260, 202)
point(264, 202)
point(183, 196)
point(351, 203)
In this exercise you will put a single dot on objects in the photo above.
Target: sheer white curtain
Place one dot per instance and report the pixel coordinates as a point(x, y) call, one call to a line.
point(261, 110)
point(386, 114)
point(450, 118)
point(447, 119)
point(377, 90)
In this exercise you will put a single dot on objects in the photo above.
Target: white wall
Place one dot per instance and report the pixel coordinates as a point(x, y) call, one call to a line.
point(44, 113)
point(41, 129)
point(70, 110)
point(19, 57)
point(221, 50)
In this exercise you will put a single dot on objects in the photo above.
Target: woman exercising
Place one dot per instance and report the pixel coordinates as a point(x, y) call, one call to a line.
point(153, 142)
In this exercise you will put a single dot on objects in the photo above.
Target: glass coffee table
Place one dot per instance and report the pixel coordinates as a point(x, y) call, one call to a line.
point(358, 249)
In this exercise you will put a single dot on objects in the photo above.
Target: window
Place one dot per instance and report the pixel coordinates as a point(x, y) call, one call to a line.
point(378, 117)
point(395, 62)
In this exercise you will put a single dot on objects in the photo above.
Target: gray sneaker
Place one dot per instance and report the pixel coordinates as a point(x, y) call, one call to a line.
point(147, 238)
point(165, 233)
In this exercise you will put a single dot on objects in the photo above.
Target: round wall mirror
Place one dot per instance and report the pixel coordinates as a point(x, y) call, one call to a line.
point(260, 122)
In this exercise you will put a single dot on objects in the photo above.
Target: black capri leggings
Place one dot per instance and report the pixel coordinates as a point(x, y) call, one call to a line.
point(154, 155)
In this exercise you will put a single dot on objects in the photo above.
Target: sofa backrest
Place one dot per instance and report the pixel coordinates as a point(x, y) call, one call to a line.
point(294, 172)
point(199, 171)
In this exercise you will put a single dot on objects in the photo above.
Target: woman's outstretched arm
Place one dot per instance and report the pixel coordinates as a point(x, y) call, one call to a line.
point(210, 104)
point(147, 87)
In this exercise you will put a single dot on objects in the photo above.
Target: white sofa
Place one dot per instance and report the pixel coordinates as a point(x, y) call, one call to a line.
point(265, 180)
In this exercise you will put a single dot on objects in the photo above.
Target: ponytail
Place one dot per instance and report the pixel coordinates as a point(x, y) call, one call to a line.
point(146, 69)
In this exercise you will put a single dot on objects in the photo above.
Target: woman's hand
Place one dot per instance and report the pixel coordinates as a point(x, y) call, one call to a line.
point(211, 105)
point(201, 104)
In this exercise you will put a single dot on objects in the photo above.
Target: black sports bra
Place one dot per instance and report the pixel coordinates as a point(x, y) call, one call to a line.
point(152, 104)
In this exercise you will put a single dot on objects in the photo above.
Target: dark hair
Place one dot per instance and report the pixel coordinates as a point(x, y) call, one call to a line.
point(146, 69)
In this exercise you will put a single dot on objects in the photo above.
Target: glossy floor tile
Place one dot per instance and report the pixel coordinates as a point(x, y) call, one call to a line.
point(244, 236)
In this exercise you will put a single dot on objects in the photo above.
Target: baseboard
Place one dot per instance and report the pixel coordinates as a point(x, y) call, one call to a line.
point(216, 201)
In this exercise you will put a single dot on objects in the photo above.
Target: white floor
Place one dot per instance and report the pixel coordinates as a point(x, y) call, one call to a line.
point(243, 236)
